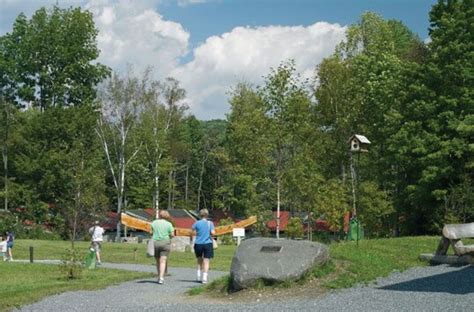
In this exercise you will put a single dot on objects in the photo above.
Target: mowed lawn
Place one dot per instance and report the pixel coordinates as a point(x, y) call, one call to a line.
point(356, 263)
point(24, 283)
point(118, 253)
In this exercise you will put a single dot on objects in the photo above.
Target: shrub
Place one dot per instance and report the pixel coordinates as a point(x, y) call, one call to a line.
point(71, 264)
point(294, 228)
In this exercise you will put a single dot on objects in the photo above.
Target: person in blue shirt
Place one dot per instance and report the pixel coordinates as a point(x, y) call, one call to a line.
point(203, 230)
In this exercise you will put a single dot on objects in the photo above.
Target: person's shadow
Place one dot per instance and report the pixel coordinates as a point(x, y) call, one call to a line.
point(153, 281)
point(458, 282)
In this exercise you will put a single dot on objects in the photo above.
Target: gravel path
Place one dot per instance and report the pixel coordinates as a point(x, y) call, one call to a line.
point(437, 288)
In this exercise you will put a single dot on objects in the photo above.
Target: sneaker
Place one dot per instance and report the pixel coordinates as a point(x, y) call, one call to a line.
point(204, 281)
point(161, 281)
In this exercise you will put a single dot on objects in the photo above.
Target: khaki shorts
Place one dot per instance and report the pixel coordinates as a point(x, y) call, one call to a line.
point(96, 246)
point(162, 248)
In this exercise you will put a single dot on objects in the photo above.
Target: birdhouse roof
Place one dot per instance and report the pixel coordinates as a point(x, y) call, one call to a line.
point(360, 138)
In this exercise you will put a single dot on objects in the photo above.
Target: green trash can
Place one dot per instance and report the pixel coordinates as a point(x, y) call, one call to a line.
point(356, 232)
point(90, 259)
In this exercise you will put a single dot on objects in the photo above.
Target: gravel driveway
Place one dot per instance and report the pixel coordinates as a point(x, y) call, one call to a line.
point(436, 288)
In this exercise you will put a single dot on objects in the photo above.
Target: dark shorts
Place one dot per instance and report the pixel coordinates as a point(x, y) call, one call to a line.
point(162, 248)
point(204, 251)
point(10, 245)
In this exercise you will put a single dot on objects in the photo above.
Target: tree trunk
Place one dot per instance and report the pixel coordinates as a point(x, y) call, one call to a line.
point(278, 210)
point(201, 174)
point(186, 188)
point(157, 196)
point(173, 189)
point(5, 152)
point(5, 167)
point(170, 177)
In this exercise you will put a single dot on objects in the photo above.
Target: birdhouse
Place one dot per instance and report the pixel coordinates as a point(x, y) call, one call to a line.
point(358, 144)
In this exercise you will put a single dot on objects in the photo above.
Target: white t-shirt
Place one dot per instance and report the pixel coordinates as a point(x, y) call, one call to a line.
point(3, 246)
point(97, 232)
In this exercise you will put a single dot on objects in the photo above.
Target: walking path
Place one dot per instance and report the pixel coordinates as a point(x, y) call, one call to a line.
point(436, 288)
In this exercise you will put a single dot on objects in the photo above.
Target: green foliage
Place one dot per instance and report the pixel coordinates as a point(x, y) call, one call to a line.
point(227, 238)
point(49, 59)
point(263, 217)
point(283, 144)
point(374, 209)
point(332, 203)
point(71, 264)
point(294, 228)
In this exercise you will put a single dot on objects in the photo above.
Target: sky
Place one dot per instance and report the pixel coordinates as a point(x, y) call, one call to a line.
point(211, 45)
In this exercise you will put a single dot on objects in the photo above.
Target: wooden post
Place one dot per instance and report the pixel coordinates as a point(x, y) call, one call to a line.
point(31, 254)
point(135, 254)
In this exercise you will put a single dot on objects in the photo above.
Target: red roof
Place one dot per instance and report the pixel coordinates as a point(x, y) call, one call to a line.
point(111, 222)
point(321, 225)
point(185, 222)
point(150, 212)
point(284, 217)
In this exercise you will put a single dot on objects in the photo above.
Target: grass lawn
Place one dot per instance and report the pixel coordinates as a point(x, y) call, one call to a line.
point(378, 258)
point(119, 253)
point(353, 264)
point(24, 283)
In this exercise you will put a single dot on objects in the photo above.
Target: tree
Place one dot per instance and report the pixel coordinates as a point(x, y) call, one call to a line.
point(281, 95)
point(84, 200)
point(363, 88)
point(6, 120)
point(121, 100)
point(50, 58)
point(436, 134)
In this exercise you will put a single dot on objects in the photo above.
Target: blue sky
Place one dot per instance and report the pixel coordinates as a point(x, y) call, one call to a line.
point(211, 45)
point(219, 16)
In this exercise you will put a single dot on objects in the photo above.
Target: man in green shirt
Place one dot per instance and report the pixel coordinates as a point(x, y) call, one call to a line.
point(163, 231)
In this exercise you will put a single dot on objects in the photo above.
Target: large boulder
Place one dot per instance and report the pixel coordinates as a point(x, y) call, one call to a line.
point(274, 260)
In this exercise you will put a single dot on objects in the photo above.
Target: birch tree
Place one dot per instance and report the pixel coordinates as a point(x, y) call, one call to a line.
point(163, 111)
point(121, 100)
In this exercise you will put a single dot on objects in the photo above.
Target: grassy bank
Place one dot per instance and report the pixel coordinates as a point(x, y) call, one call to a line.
point(22, 283)
point(377, 258)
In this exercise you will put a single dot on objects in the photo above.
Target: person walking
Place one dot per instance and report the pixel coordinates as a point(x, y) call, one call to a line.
point(162, 231)
point(10, 239)
point(203, 249)
point(97, 237)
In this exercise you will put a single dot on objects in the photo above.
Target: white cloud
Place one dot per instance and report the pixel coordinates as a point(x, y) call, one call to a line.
point(247, 54)
point(183, 3)
point(133, 32)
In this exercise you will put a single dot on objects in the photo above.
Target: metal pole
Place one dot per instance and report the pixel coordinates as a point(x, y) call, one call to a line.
point(354, 209)
point(353, 180)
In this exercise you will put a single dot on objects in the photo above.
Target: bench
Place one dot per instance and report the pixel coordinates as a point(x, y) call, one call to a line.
point(451, 236)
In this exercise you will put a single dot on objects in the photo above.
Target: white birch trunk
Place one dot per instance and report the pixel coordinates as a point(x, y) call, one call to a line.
point(278, 210)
